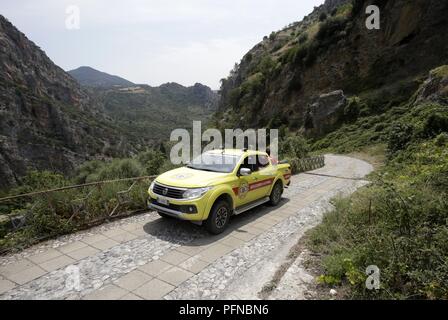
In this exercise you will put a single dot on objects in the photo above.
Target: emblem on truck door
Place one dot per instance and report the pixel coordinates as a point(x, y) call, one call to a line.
point(244, 188)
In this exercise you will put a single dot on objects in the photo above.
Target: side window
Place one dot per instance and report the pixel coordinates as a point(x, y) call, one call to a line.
point(263, 161)
point(250, 163)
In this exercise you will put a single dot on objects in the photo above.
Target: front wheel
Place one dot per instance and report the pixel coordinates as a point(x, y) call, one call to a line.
point(218, 218)
point(276, 194)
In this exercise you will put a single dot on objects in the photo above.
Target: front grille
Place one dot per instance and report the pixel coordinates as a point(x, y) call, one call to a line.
point(182, 208)
point(168, 191)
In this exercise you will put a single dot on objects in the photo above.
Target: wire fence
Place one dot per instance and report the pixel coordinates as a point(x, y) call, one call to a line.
point(32, 217)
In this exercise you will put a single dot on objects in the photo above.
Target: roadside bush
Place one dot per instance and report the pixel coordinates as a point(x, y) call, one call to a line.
point(295, 146)
point(88, 169)
point(40, 180)
point(121, 169)
point(151, 160)
point(398, 223)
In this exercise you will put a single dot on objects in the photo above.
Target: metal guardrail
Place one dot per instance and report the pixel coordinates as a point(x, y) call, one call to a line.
point(307, 164)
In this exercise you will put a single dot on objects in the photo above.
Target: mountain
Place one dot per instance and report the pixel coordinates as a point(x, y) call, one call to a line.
point(90, 77)
point(151, 113)
point(329, 69)
point(144, 112)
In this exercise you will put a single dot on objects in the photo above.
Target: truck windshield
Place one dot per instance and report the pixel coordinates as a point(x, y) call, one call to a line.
point(224, 163)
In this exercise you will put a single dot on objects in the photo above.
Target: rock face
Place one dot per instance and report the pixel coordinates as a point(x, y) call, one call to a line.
point(90, 77)
point(46, 120)
point(326, 112)
point(277, 81)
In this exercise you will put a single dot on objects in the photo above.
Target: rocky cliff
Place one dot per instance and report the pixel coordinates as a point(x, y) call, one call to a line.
point(280, 81)
point(46, 120)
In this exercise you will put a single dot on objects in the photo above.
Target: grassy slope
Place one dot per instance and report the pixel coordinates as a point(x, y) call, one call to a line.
point(400, 221)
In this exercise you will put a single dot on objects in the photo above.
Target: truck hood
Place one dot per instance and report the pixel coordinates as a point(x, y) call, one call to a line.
point(189, 178)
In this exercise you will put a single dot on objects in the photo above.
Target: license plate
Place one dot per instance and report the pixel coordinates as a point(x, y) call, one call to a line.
point(162, 201)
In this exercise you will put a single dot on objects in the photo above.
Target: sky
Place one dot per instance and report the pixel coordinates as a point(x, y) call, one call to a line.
point(153, 41)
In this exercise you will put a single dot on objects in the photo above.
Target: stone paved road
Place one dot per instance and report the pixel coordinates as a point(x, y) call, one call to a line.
point(147, 257)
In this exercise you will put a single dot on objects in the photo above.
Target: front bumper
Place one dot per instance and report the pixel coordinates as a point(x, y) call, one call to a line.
point(192, 210)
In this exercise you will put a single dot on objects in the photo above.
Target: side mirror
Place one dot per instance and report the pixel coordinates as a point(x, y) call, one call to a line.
point(245, 172)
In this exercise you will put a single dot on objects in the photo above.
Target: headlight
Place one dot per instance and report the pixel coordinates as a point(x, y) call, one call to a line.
point(151, 187)
point(195, 193)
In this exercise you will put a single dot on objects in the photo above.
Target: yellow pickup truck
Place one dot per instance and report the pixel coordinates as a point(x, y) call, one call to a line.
point(217, 185)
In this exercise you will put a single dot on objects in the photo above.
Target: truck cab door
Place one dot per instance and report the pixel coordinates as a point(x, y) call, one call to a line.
point(266, 175)
point(243, 193)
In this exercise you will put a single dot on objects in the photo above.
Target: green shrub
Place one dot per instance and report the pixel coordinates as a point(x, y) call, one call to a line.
point(442, 139)
point(295, 146)
point(435, 124)
point(322, 16)
point(234, 97)
point(352, 110)
point(252, 86)
point(266, 65)
point(329, 29)
point(88, 169)
point(400, 136)
point(152, 161)
point(303, 38)
point(121, 169)
point(40, 180)
point(398, 223)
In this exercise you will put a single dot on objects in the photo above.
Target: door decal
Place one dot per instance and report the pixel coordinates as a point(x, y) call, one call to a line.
point(261, 184)
point(243, 190)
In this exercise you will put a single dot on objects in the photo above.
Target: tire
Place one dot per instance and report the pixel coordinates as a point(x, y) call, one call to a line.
point(164, 215)
point(218, 219)
point(276, 194)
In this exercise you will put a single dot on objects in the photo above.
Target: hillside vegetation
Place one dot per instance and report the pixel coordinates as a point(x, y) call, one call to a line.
point(400, 221)
point(347, 89)
point(151, 113)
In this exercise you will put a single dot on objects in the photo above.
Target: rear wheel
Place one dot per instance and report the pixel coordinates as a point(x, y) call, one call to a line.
point(276, 194)
point(218, 218)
